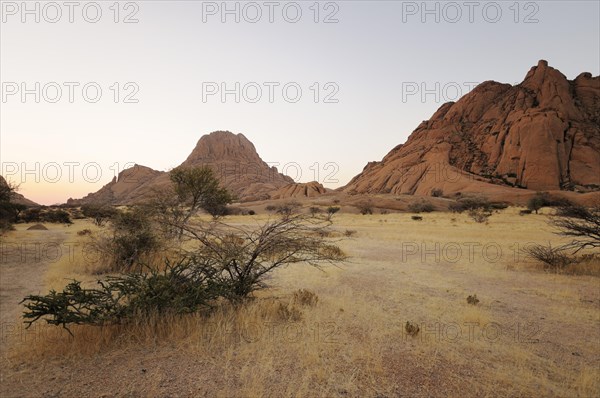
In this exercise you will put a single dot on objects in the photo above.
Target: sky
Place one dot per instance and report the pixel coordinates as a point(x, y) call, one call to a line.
point(320, 88)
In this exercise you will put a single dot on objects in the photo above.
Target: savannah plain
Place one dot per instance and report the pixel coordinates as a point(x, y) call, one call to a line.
point(335, 331)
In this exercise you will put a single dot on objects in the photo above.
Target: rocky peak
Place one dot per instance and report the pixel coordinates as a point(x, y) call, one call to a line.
point(543, 134)
point(221, 146)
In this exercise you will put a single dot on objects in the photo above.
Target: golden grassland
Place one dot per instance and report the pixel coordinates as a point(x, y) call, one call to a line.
point(532, 334)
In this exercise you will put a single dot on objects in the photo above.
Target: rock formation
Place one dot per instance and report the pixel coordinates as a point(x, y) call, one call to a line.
point(299, 190)
point(543, 134)
point(237, 165)
point(132, 185)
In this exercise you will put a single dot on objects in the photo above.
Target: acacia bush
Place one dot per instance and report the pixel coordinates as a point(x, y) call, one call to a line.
point(182, 287)
point(130, 240)
point(580, 223)
point(480, 215)
point(552, 258)
point(285, 209)
point(477, 207)
point(244, 257)
point(365, 207)
point(331, 210)
point(223, 262)
point(470, 203)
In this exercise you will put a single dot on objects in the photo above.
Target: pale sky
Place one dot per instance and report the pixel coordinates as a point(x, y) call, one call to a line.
point(365, 65)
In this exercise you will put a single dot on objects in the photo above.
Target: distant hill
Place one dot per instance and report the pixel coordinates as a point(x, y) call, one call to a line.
point(17, 197)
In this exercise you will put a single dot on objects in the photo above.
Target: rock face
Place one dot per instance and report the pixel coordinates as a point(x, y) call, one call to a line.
point(238, 166)
point(232, 157)
point(543, 134)
point(299, 190)
point(131, 186)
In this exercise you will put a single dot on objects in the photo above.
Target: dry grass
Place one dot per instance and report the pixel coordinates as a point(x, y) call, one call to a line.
point(341, 331)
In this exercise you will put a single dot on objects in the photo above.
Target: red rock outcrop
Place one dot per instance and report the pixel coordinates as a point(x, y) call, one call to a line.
point(543, 134)
point(299, 190)
point(132, 185)
point(237, 164)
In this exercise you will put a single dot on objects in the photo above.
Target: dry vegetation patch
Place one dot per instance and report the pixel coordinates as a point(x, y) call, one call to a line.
point(342, 330)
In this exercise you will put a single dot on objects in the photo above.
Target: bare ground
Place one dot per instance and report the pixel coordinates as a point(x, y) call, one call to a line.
point(533, 332)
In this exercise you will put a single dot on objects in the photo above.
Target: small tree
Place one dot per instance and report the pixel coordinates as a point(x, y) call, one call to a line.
point(331, 210)
point(9, 211)
point(537, 202)
point(314, 210)
point(480, 215)
point(192, 189)
point(198, 188)
point(365, 207)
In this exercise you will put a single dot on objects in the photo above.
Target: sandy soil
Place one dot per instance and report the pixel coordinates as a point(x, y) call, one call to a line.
point(23, 262)
point(532, 333)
